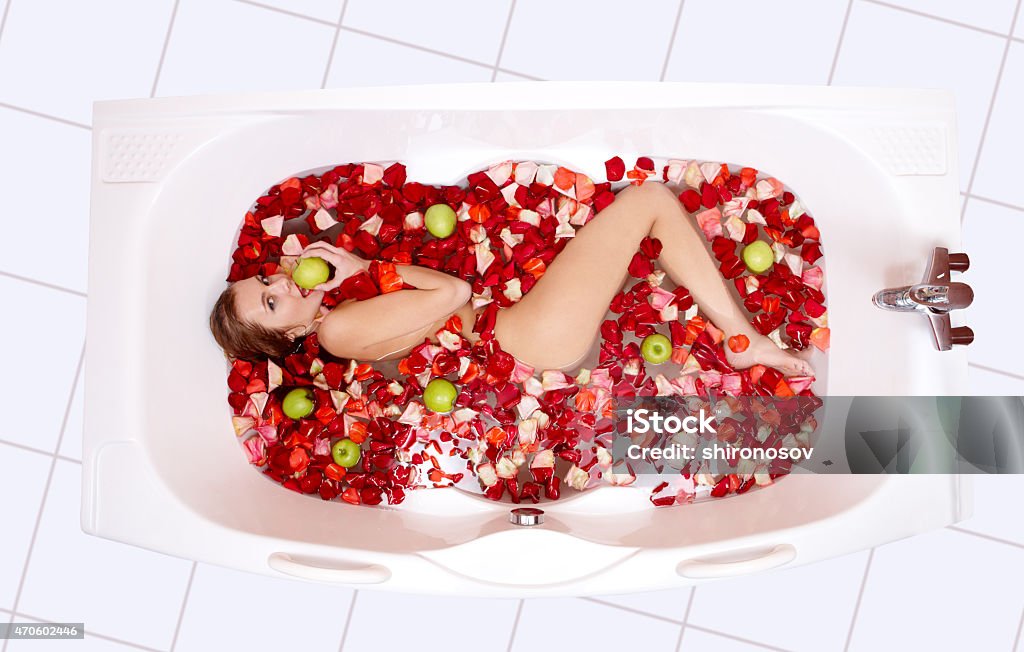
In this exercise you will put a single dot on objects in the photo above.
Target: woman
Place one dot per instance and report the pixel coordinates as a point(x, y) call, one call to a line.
point(552, 327)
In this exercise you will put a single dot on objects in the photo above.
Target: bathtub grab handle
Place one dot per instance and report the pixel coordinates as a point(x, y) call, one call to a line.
point(327, 570)
point(705, 569)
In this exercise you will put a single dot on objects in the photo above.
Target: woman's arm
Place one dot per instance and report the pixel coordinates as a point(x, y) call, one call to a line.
point(376, 327)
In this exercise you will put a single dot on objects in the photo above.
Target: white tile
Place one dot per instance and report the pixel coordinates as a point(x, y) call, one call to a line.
point(45, 219)
point(429, 622)
point(572, 624)
point(58, 56)
point(323, 9)
point(1001, 153)
point(22, 474)
point(667, 604)
point(991, 237)
point(118, 590)
point(877, 51)
point(982, 382)
point(997, 507)
point(995, 15)
point(944, 590)
point(1019, 32)
point(719, 41)
point(767, 613)
point(223, 46)
point(39, 372)
point(464, 28)
point(695, 640)
point(87, 644)
point(366, 61)
point(71, 445)
point(224, 604)
point(590, 40)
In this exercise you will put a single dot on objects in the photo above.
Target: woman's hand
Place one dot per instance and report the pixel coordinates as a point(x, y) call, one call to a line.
point(346, 264)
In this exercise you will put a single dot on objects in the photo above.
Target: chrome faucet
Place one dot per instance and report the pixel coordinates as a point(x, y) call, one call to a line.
point(935, 296)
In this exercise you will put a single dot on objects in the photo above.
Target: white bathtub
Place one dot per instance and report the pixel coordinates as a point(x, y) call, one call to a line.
point(173, 177)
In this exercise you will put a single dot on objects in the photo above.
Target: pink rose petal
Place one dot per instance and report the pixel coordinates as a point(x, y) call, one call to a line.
point(372, 173)
point(324, 220)
point(272, 225)
point(812, 277)
point(710, 222)
point(526, 171)
point(767, 189)
point(500, 173)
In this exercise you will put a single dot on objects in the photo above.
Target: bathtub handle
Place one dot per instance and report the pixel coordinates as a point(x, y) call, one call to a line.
point(701, 569)
point(325, 570)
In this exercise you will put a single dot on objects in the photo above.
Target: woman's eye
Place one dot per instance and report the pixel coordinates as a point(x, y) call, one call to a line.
point(270, 302)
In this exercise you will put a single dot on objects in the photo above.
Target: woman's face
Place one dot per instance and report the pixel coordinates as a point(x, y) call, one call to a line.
point(275, 302)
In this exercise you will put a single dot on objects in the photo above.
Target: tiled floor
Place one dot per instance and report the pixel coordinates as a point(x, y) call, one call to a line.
point(57, 56)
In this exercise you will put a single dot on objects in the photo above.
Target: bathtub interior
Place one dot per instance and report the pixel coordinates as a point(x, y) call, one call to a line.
point(188, 440)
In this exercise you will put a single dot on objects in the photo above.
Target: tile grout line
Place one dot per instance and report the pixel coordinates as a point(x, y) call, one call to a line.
point(736, 638)
point(415, 46)
point(348, 620)
point(71, 400)
point(388, 39)
point(184, 603)
point(3, 20)
point(46, 493)
point(839, 43)
point(672, 40)
point(1008, 374)
point(943, 19)
point(163, 53)
point(686, 618)
point(515, 625)
point(860, 597)
point(988, 200)
point(104, 637)
point(43, 115)
point(40, 451)
point(991, 106)
point(504, 38)
point(632, 610)
point(44, 283)
point(334, 45)
point(286, 12)
point(683, 624)
point(1020, 628)
point(981, 535)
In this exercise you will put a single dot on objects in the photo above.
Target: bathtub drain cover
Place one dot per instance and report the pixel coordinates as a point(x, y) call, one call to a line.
point(526, 516)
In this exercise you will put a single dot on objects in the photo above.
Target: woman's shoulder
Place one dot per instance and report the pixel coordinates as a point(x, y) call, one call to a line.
point(336, 329)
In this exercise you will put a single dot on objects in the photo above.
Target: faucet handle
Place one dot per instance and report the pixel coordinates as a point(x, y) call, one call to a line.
point(959, 262)
point(959, 295)
point(961, 335)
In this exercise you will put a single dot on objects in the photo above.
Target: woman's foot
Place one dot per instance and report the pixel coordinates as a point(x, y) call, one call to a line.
point(764, 351)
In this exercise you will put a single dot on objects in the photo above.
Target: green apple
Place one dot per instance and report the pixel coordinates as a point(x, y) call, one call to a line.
point(440, 220)
point(311, 272)
point(345, 453)
point(656, 348)
point(298, 403)
point(758, 256)
point(440, 395)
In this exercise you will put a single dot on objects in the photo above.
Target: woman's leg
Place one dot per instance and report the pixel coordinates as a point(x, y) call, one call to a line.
point(555, 324)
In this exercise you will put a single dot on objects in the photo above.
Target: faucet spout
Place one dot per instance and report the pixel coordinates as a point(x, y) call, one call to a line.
point(925, 296)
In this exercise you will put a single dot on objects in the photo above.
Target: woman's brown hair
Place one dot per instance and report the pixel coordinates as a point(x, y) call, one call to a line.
point(242, 339)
